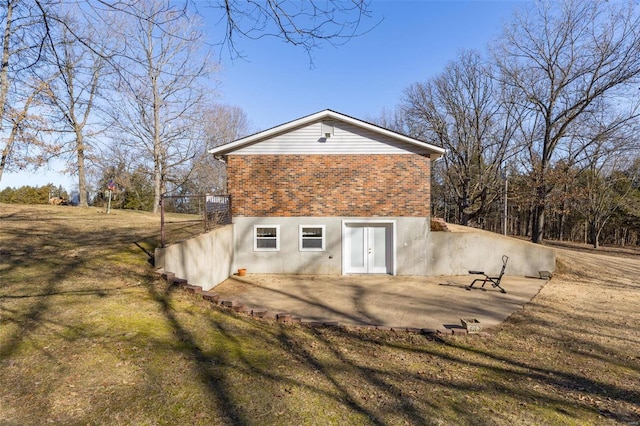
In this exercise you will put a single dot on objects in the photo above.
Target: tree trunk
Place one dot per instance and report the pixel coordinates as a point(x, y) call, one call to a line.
point(537, 233)
point(464, 217)
point(464, 203)
point(4, 78)
point(594, 234)
point(537, 225)
point(4, 69)
point(563, 215)
point(82, 180)
point(6, 151)
point(157, 188)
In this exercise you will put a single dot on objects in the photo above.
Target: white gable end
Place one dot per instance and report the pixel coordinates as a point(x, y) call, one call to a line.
point(346, 135)
point(346, 139)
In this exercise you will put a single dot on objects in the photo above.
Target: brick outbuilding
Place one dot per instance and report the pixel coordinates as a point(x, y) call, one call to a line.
point(330, 194)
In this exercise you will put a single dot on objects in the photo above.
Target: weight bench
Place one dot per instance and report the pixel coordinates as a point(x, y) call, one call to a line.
point(495, 281)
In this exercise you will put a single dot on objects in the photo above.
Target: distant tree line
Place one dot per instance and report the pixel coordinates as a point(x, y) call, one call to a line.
point(549, 116)
point(588, 207)
point(32, 194)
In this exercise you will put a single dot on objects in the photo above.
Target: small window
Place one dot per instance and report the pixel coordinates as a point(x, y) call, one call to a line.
point(266, 237)
point(312, 238)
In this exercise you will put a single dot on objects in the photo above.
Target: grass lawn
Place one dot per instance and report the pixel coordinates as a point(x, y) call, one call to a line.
point(89, 334)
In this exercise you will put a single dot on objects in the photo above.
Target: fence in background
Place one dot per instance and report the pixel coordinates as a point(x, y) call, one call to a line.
point(184, 216)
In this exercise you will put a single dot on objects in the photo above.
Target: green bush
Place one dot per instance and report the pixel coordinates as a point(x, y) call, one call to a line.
point(32, 194)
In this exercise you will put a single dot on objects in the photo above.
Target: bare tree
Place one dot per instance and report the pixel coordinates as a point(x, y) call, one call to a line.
point(464, 111)
point(392, 119)
point(220, 124)
point(73, 96)
point(157, 58)
point(562, 58)
point(305, 23)
point(608, 145)
point(162, 88)
point(25, 128)
point(23, 37)
point(604, 194)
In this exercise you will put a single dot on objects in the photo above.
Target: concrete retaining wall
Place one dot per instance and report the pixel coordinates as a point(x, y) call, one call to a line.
point(205, 260)
point(455, 253)
point(208, 259)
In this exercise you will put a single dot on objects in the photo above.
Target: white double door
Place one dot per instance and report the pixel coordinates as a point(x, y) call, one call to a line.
point(368, 248)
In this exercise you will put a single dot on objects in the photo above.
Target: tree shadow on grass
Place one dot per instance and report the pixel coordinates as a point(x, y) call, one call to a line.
point(286, 345)
point(340, 392)
point(29, 314)
point(376, 377)
point(346, 391)
point(454, 368)
point(508, 371)
point(208, 367)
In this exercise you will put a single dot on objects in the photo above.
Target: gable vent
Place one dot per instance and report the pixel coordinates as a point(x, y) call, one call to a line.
point(327, 129)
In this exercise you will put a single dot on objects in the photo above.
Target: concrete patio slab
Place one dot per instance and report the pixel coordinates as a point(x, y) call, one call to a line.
point(381, 300)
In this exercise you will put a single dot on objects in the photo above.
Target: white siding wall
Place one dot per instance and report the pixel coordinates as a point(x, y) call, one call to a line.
point(347, 139)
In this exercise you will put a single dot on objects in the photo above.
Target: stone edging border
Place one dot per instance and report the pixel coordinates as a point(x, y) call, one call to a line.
point(284, 317)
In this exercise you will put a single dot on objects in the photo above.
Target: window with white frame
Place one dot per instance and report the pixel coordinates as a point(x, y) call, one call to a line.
point(266, 237)
point(312, 237)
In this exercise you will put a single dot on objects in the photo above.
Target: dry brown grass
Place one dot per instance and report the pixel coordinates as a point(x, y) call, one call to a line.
point(90, 335)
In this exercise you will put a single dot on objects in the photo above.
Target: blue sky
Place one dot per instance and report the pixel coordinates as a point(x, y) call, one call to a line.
point(275, 82)
point(413, 42)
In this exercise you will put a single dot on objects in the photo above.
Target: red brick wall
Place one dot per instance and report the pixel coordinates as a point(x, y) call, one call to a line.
point(329, 185)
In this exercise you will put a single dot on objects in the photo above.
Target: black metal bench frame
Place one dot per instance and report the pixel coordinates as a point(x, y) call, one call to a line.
point(495, 281)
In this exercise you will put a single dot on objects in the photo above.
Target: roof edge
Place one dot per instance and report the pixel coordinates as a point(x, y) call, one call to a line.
point(327, 113)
